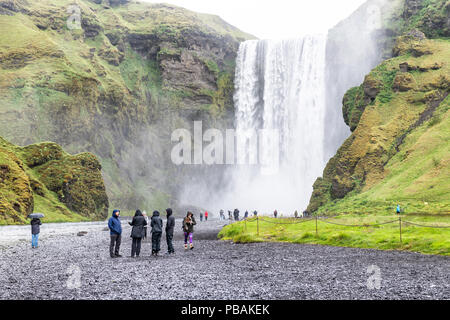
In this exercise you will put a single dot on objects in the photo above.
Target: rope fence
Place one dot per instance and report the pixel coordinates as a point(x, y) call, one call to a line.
point(326, 220)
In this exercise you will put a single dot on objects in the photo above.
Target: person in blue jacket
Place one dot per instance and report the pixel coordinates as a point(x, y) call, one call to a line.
point(115, 229)
point(398, 209)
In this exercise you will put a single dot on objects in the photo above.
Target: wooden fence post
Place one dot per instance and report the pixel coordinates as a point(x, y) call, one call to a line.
point(257, 226)
point(316, 227)
point(400, 225)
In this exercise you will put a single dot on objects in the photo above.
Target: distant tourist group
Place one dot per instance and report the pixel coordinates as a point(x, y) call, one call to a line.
point(235, 215)
point(139, 231)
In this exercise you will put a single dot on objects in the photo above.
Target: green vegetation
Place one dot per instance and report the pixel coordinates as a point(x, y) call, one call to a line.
point(431, 18)
point(399, 152)
point(384, 237)
point(133, 70)
point(44, 178)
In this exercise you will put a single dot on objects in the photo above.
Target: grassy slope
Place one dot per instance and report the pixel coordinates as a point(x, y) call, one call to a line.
point(385, 237)
point(416, 177)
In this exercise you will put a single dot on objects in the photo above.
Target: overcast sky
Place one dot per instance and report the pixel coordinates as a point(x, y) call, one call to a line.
point(275, 18)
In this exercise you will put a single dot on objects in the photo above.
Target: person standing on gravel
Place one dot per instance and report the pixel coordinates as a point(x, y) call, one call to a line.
point(145, 226)
point(188, 228)
point(206, 215)
point(157, 228)
point(137, 233)
point(35, 230)
point(236, 214)
point(115, 228)
point(170, 226)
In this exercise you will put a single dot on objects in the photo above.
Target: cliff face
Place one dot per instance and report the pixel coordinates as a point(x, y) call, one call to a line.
point(44, 178)
point(115, 78)
point(399, 149)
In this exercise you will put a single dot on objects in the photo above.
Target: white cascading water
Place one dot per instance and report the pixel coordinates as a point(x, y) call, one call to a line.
point(280, 84)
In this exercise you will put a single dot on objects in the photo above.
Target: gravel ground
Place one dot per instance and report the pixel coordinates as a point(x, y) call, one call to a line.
point(67, 266)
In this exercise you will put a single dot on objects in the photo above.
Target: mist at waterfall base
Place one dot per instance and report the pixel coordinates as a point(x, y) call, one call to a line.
point(279, 85)
point(297, 87)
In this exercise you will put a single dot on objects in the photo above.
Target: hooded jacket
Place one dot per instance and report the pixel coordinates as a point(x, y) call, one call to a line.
point(138, 224)
point(156, 223)
point(170, 225)
point(114, 224)
point(35, 226)
point(188, 224)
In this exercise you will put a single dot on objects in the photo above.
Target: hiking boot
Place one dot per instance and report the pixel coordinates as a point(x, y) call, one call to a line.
point(191, 246)
point(118, 256)
point(185, 246)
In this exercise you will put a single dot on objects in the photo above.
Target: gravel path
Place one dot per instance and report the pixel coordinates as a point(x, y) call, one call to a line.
point(66, 266)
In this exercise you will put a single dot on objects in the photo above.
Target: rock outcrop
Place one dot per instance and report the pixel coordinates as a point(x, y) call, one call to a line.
point(44, 178)
point(398, 151)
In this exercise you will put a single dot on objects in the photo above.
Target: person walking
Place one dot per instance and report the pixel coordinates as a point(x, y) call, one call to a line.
point(144, 213)
point(137, 233)
point(201, 216)
point(170, 226)
point(35, 230)
point(229, 215)
point(399, 210)
point(157, 227)
point(296, 214)
point(115, 228)
point(236, 214)
point(246, 214)
point(206, 215)
point(255, 213)
point(188, 229)
point(275, 214)
point(222, 215)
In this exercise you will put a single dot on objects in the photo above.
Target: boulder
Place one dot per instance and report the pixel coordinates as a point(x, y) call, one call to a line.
point(404, 82)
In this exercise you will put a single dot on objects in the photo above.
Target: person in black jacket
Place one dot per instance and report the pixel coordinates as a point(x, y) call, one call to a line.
point(35, 230)
point(157, 227)
point(170, 226)
point(236, 214)
point(137, 233)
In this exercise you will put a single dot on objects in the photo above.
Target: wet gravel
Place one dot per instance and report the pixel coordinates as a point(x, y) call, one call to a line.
point(67, 266)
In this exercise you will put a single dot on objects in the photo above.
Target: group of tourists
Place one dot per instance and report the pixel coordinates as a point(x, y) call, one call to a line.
point(206, 216)
point(138, 232)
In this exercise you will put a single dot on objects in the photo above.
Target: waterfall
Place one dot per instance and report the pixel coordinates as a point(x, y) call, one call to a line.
point(280, 85)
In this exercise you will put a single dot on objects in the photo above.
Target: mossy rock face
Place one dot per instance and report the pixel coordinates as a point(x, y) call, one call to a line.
point(44, 177)
point(16, 195)
point(431, 17)
point(415, 43)
point(404, 82)
point(392, 152)
point(78, 182)
point(38, 154)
